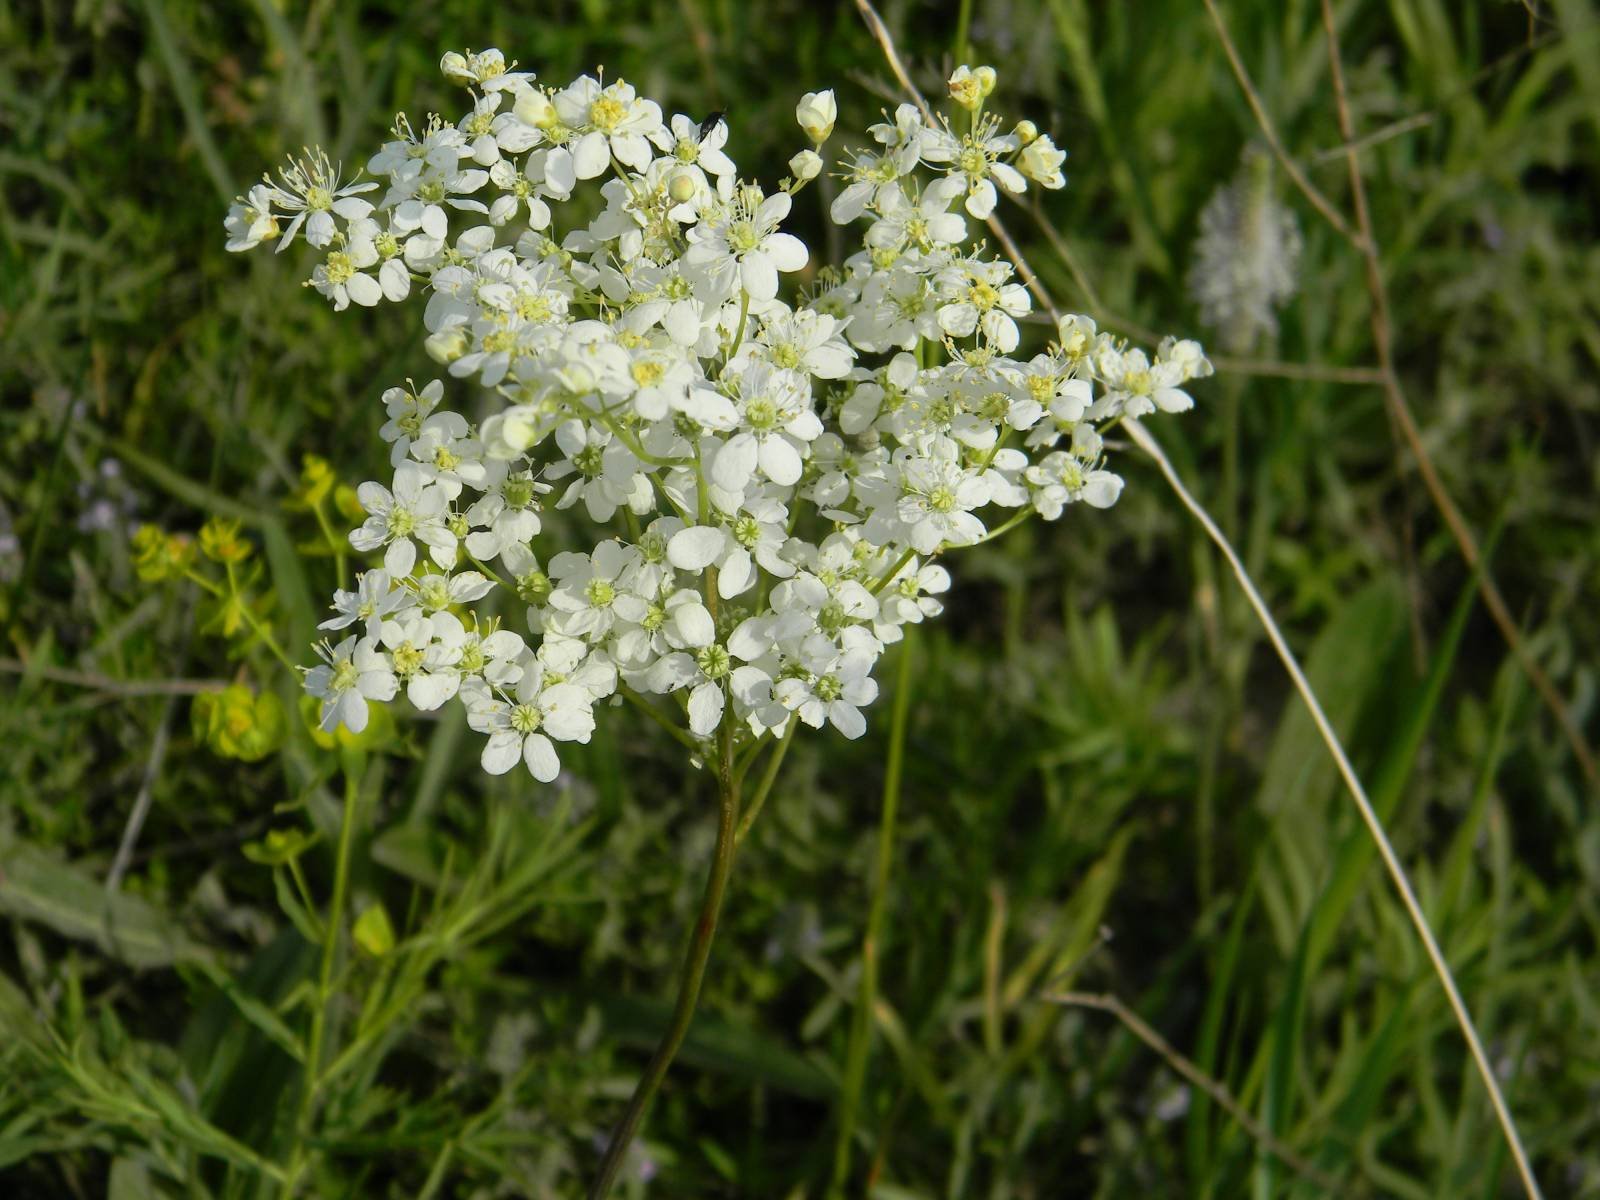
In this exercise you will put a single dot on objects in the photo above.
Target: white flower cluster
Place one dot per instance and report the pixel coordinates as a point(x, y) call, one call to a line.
point(773, 480)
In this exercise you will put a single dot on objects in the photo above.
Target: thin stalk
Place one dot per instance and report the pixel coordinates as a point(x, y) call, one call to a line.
point(319, 1013)
point(860, 1044)
point(694, 969)
point(767, 777)
point(335, 544)
point(1391, 860)
point(260, 630)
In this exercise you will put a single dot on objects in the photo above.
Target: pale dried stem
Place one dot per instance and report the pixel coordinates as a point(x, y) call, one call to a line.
point(114, 687)
point(1391, 861)
point(1107, 1003)
point(1330, 738)
point(1400, 410)
point(1291, 168)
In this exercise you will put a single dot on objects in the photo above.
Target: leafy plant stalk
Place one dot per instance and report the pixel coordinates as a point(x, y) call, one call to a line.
point(861, 1024)
point(319, 1012)
point(693, 973)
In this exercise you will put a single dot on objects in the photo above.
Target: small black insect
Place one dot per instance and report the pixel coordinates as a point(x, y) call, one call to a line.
point(712, 122)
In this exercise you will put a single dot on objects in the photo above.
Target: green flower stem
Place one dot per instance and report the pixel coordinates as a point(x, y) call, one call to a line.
point(738, 334)
point(860, 1044)
point(260, 630)
point(656, 715)
point(335, 544)
point(694, 968)
point(767, 778)
point(878, 584)
point(319, 1013)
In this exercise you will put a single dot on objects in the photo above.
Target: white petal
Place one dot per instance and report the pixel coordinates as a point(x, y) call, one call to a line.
point(733, 465)
point(705, 709)
point(400, 558)
point(758, 275)
point(591, 156)
point(780, 462)
point(786, 252)
point(540, 755)
point(428, 692)
point(694, 624)
point(501, 752)
point(696, 548)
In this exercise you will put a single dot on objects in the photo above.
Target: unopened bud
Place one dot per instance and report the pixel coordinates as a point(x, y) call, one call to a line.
point(806, 165)
point(1026, 131)
point(681, 188)
point(816, 112)
point(447, 345)
point(986, 80)
point(534, 108)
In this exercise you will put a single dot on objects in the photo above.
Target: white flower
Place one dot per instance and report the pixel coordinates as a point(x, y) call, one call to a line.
point(1136, 388)
point(980, 295)
point(742, 245)
point(508, 514)
point(978, 159)
point(1041, 162)
point(593, 591)
point(310, 188)
point(407, 408)
point(682, 142)
point(831, 688)
point(807, 342)
point(939, 496)
point(793, 463)
point(375, 597)
point(250, 221)
point(352, 673)
point(486, 70)
point(522, 728)
point(614, 122)
point(706, 673)
point(413, 510)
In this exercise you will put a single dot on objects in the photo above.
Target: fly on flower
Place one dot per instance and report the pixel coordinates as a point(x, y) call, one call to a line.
point(710, 123)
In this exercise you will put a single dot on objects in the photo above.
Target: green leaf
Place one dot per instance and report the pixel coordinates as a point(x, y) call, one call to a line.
point(34, 886)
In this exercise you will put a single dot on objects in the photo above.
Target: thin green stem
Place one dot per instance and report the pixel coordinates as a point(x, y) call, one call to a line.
point(878, 584)
point(656, 715)
point(319, 1014)
point(738, 334)
point(963, 27)
point(260, 630)
point(767, 778)
point(694, 969)
point(860, 1044)
point(335, 544)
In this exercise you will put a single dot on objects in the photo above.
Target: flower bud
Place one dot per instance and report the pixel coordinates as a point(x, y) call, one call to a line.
point(816, 113)
point(534, 108)
point(1025, 132)
point(806, 165)
point(681, 188)
point(986, 78)
point(447, 345)
point(454, 66)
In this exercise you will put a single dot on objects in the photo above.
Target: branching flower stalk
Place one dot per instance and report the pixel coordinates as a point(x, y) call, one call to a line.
point(771, 479)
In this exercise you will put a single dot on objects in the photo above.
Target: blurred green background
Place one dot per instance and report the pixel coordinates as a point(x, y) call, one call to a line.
point(1108, 784)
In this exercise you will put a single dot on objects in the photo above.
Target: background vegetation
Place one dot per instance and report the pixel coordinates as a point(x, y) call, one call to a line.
point(1107, 783)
